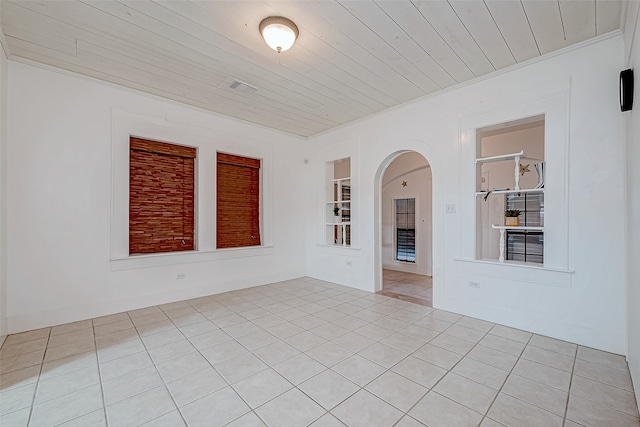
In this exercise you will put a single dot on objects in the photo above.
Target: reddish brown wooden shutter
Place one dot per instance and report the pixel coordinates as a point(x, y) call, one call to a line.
point(238, 184)
point(161, 197)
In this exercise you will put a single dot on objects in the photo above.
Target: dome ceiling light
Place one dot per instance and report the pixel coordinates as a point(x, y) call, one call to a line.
point(279, 32)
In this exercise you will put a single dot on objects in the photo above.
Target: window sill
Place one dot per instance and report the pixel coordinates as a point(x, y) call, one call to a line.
point(517, 271)
point(186, 257)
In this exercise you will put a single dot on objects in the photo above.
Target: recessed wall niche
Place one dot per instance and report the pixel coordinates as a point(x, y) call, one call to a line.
point(510, 174)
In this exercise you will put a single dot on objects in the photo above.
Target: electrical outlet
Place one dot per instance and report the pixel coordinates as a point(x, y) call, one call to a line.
point(181, 276)
point(348, 263)
point(450, 209)
point(474, 284)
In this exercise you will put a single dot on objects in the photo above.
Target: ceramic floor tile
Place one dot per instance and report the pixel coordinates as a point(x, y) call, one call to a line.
point(438, 356)
point(27, 336)
point(291, 409)
point(198, 328)
point(328, 389)
point(9, 351)
point(162, 338)
point(257, 340)
point(224, 351)
point(248, 420)
point(154, 359)
point(67, 407)
point(548, 358)
point(513, 412)
point(329, 354)
point(172, 419)
point(141, 408)
point(436, 410)
point(545, 397)
point(557, 346)
point(354, 342)
point(466, 392)
point(171, 351)
point(481, 373)
point(603, 358)
point(16, 399)
point(396, 390)
point(358, 369)
point(610, 376)
point(299, 368)
point(543, 374)
point(124, 387)
point(195, 386)
point(504, 345)
point(240, 367)
point(15, 419)
point(275, 353)
point(112, 318)
point(260, 388)
point(68, 364)
point(590, 414)
point(616, 398)
point(363, 409)
point(67, 383)
point(492, 357)
point(383, 355)
point(305, 340)
point(93, 419)
point(119, 350)
point(511, 333)
point(477, 324)
point(407, 421)
point(124, 366)
point(403, 343)
point(19, 378)
point(181, 366)
point(327, 420)
point(419, 371)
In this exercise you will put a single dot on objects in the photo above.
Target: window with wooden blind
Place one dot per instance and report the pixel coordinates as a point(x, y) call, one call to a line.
point(161, 197)
point(238, 202)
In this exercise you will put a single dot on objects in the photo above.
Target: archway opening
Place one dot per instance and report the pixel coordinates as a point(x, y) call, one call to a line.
point(404, 216)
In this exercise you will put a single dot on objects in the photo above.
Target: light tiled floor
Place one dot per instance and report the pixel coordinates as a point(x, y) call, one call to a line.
point(410, 287)
point(305, 352)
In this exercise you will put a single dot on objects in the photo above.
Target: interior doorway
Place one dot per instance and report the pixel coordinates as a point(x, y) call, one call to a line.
point(405, 229)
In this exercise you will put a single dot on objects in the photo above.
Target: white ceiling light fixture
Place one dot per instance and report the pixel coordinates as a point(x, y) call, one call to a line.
point(279, 32)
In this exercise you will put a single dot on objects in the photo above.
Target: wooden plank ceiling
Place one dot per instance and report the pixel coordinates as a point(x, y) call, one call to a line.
point(352, 58)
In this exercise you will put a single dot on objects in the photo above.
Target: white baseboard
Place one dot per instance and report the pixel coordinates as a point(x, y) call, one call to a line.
point(64, 315)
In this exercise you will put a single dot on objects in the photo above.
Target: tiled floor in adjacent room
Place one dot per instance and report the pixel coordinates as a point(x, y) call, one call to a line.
point(305, 352)
point(410, 287)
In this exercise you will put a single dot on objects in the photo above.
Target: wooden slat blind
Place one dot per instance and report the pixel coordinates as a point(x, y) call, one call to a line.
point(161, 197)
point(238, 207)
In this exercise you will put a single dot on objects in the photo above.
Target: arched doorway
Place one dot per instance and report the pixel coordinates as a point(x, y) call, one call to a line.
point(404, 228)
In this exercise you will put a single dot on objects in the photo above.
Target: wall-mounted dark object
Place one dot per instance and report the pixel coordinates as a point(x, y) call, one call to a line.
point(626, 89)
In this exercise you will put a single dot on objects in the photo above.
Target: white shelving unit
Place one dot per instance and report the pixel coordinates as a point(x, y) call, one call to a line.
point(339, 226)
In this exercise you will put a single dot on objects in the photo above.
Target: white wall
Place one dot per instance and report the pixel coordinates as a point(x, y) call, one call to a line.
point(414, 169)
point(633, 200)
point(3, 195)
point(580, 295)
point(66, 201)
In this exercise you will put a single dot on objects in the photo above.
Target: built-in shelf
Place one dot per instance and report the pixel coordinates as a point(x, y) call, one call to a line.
point(499, 158)
point(339, 201)
point(502, 229)
point(528, 190)
point(339, 223)
point(520, 227)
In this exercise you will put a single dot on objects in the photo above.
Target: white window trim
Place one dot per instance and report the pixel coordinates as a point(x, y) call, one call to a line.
point(555, 107)
point(208, 141)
